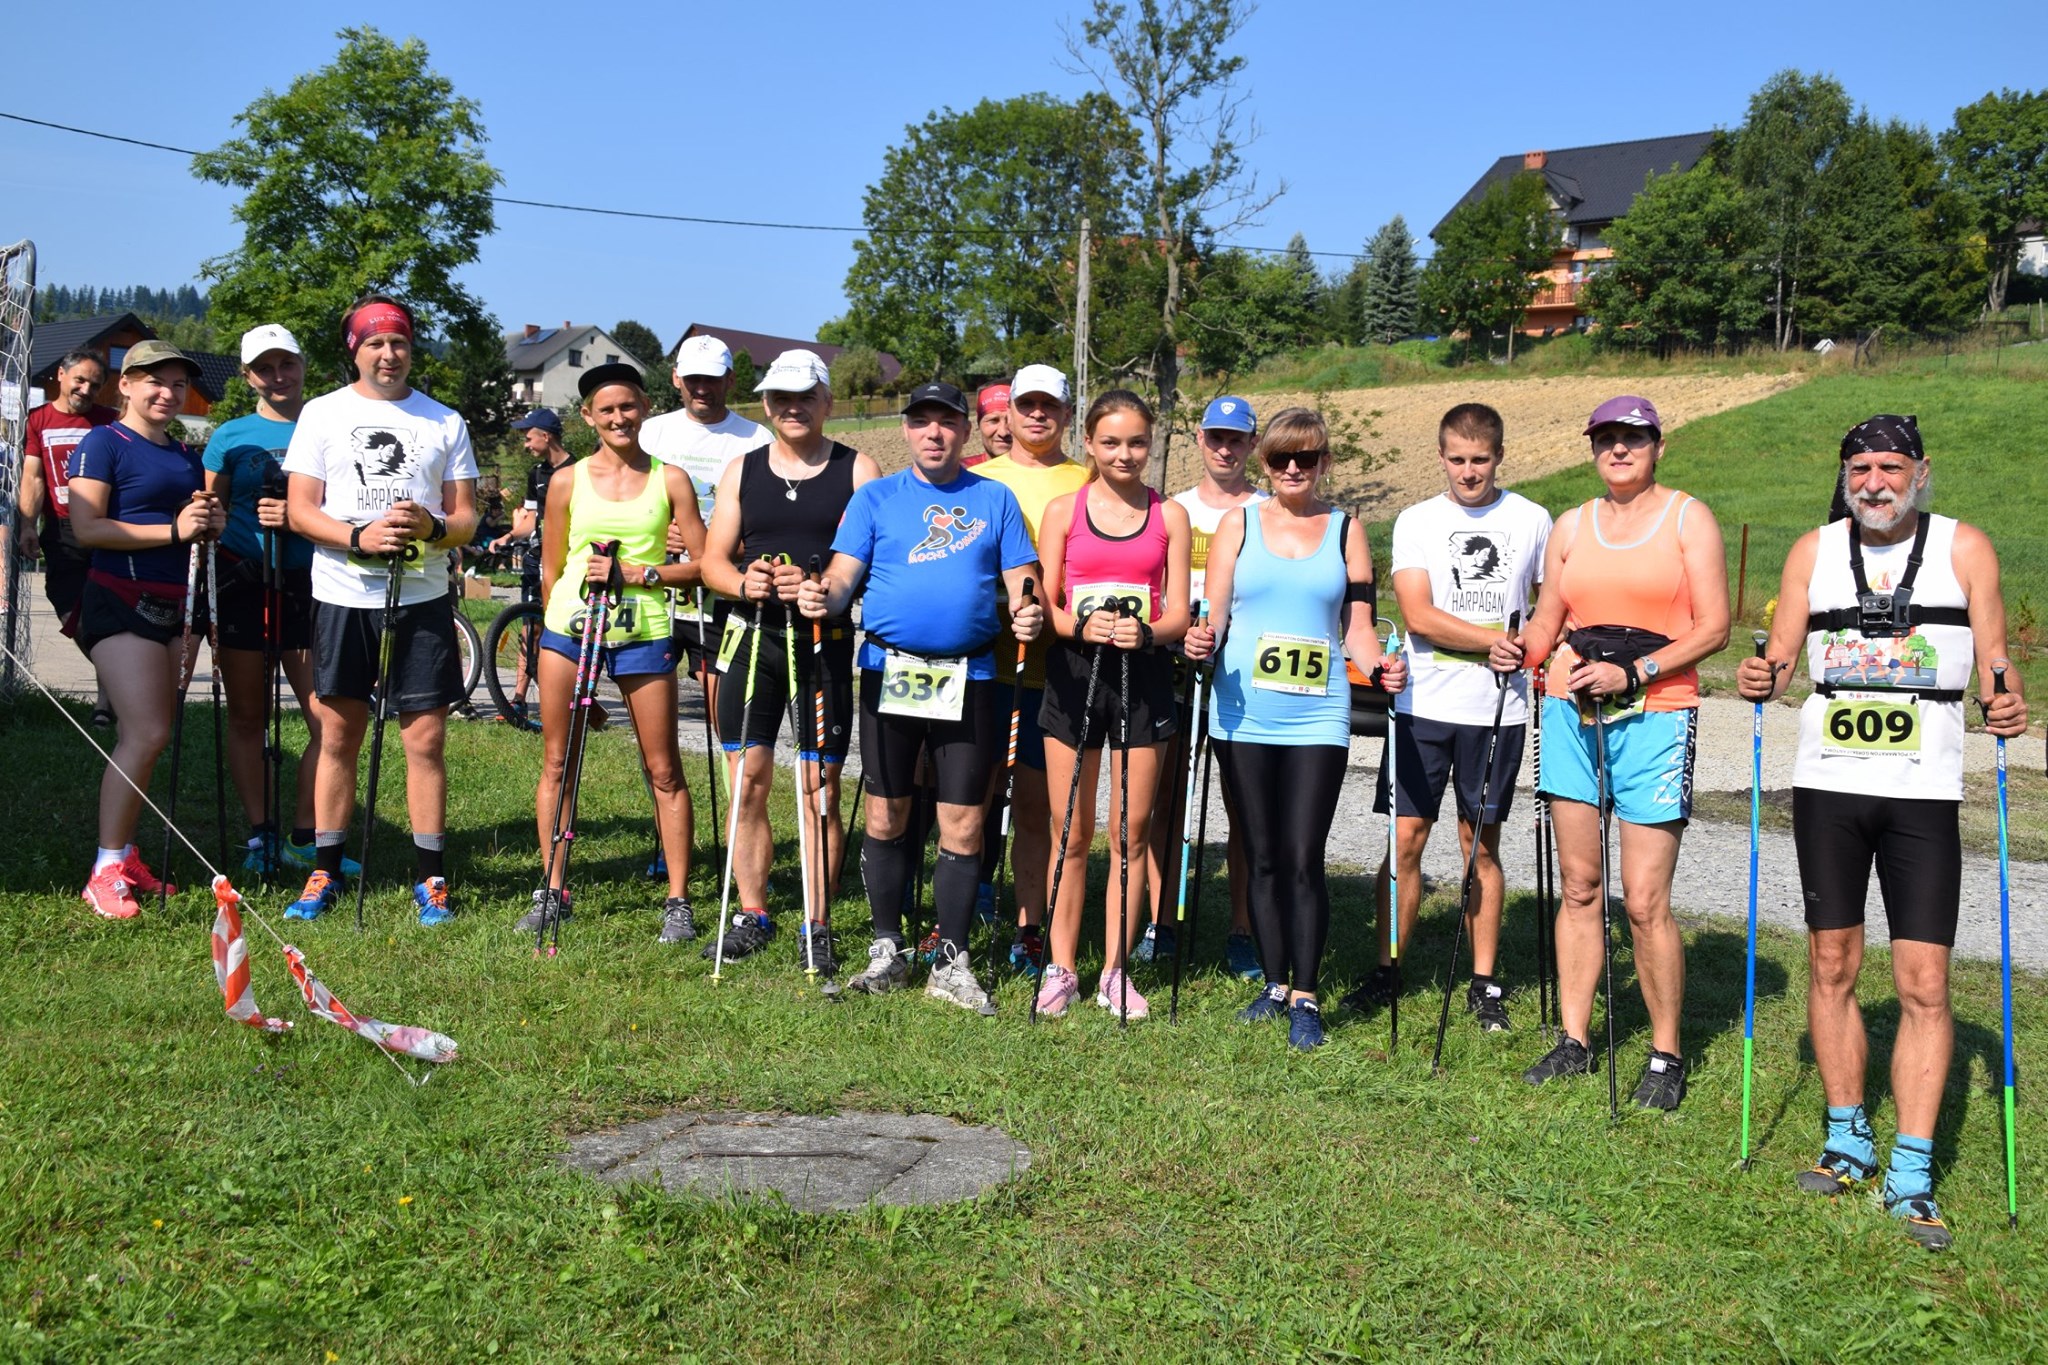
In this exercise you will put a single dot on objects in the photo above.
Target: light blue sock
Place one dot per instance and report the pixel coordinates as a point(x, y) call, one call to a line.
point(1849, 1133)
point(1911, 1171)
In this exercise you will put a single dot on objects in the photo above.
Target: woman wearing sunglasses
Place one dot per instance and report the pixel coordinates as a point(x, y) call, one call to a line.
point(1290, 595)
point(1635, 593)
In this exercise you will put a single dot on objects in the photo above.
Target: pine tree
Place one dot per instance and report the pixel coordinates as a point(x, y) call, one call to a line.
point(1387, 300)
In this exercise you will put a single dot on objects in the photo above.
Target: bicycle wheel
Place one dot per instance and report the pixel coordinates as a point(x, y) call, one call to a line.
point(471, 651)
point(511, 656)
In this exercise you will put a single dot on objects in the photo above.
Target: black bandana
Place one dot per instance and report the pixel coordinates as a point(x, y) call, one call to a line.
point(1900, 435)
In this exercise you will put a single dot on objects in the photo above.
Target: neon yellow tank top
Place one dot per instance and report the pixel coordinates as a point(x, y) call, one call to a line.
point(640, 525)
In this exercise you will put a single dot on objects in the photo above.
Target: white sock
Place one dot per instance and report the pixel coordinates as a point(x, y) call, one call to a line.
point(107, 856)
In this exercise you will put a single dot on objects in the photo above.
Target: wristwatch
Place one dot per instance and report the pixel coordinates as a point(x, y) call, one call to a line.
point(437, 527)
point(1650, 669)
point(650, 576)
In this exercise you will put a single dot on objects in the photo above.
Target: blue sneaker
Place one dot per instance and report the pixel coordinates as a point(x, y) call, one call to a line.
point(1243, 956)
point(985, 902)
point(1148, 945)
point(306, 856)
point(657, 871)
point(318, 897)
point(261, 856)
point(431, 896)
point(1269, 1003)
point(1304, 1026)
point(1027, 953)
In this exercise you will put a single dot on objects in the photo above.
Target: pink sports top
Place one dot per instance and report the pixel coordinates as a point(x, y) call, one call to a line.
point(1641, 584)
point(1127, 567)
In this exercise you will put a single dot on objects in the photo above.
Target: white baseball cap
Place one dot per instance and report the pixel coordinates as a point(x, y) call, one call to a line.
point(797, 371)
point(704, 355)
point(268, 337)
point(1040, 379)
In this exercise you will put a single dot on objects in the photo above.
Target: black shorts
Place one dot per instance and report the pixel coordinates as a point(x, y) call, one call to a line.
point(764, 718)
point(1918, 848)
point(426, 671)
point(159, 619)
point(1430, 752)
point(242, 607)
point(963, 751)
point(1153, 705)
point(64, 569)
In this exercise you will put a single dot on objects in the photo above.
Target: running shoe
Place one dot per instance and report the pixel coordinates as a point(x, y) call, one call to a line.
point(1058, 991)
point(1147, 946)
point(1487, 1000)
point(1663, 1082)
point(139, 878)
point(1835, 1173)
point(308, 857)
point(748, 935)
point(928, 946)
point(1115, 993)
point(316, 900)
point(1242, 956)
point(431, 896)
point(1305, 1031)
point(814, 943)
point(678, 922)
point(985, 902)
point(1269, 1003)
point(1377, 991)
point(1569, 1058)
point(954, 982)
point(1923, 1220)
point(110, 895)
point(657, 871)
point(545, 903)
point(886, 970)
point(1027, 952)
point(261, 856)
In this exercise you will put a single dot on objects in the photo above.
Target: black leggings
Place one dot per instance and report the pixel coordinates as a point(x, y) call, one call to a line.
point(1285, 799)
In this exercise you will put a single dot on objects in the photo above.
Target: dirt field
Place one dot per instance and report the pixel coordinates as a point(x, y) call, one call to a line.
point(1544, 417)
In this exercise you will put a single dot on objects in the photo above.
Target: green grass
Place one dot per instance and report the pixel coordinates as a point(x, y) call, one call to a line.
point(183, 1189)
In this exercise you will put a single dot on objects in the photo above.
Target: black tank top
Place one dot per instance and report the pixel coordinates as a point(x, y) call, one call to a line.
point(794, 517)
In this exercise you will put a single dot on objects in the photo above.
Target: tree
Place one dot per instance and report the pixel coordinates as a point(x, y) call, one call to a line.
point(1169, 64)
point(1488, 255)
point(1682, 273)
point(1997, 155)
point(641, 343)
point(1388, 280)
point(1781, 153)
point(1243, 308)
point(366, 175)
point(857, 377)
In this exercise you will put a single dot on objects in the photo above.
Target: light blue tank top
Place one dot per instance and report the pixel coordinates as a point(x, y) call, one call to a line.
point(1284, 606)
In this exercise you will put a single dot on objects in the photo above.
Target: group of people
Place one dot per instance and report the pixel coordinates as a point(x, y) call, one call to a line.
point(1026, 620)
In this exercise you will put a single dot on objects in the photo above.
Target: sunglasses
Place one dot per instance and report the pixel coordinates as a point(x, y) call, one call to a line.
point(1635, 438)
point(1304, 460)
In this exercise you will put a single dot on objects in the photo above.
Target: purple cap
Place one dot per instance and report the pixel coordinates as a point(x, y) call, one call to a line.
point(1628, 410)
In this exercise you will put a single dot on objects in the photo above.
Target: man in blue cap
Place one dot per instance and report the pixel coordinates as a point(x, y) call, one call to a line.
point(541, 430)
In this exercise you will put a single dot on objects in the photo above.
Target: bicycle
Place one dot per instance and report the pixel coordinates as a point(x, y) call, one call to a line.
point(511, 649)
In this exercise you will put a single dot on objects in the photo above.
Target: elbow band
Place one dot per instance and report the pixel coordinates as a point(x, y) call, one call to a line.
point(1363, 592)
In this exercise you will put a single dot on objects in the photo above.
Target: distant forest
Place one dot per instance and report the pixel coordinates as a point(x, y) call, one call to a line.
point(56, 302)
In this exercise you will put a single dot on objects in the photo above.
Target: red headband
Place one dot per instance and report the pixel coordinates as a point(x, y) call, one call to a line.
point(374, 320)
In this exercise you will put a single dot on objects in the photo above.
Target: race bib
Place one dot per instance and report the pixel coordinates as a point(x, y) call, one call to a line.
point(1299, 664)
point(1859, 726)
point(927, 689)
point(1615, 709)
point(1135, 598)
point(729, 643)
point(1458, 658)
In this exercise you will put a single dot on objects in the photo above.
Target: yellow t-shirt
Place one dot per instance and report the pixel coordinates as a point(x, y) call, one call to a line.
point(1035, 486)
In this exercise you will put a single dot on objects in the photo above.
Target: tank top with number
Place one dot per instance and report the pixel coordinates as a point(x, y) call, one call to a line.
point(1281, 678)
point(1130, 568)
point(640, 525)
point(1874, 735)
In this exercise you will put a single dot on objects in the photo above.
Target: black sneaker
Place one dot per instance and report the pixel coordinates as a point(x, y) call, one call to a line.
point(814, 944)
point(548, 906)
point(1663, 1082)
point(1569, 1058)
point(1485, 998)
point(747, 935)
point(678, 922)
point(1377, 991)
point(1922, 1219)
point(1835, 1174)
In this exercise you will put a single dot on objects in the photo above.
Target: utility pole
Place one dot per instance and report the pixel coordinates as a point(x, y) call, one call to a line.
point(1080, 339)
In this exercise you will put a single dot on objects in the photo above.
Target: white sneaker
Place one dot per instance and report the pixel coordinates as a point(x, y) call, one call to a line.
point(953, 980)
point(886, 970)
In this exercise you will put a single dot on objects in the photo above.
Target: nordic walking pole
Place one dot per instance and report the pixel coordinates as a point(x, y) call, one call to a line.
point(387, 629)
point(1393, 855)
point(598, 600)
point(1198, 731)
point(185, 662)
point(1500, 701)
point(804, 867)
point(220, 776)
point(1540, 809)
point(1593, 656)
point(2012, 1171)
point(736, 775)
point(1059, 862)
point(273, 698)
point(1756, 807)
point(824, 921)
point(1010, 767)
point(710, 741)
point(1123, 831)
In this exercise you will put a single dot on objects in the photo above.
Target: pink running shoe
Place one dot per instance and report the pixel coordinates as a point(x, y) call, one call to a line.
point(1059, 990)
point(109, 894)
point(1110, 993)
point(141, 878)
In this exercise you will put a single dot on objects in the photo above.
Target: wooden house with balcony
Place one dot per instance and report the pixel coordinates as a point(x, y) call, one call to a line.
point(1589, 188)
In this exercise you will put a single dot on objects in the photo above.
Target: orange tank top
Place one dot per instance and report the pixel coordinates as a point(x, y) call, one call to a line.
point(1641, 584)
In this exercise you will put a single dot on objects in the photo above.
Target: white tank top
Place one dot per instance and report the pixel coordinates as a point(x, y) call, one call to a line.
point(1873, 735)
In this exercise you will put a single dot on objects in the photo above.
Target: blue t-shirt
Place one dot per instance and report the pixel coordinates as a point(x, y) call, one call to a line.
point(148, 485)
point(245, 449)
point(935, 553)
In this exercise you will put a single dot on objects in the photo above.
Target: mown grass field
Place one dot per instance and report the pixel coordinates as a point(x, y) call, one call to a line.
point(183, 1189)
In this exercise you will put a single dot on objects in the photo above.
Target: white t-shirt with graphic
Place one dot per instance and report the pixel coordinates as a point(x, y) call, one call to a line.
point(1483, 564)
point(1203, 521)
point(702, 450)
point(372, 453)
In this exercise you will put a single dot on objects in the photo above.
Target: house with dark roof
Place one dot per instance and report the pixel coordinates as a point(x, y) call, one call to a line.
point(1589, 188)
point(546, 362)
point(762, 348)
point(109, 336)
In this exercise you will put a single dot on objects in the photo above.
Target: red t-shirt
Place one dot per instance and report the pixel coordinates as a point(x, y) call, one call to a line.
point(52, 432)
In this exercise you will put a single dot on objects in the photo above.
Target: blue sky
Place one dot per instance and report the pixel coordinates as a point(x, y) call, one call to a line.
point(783, 113)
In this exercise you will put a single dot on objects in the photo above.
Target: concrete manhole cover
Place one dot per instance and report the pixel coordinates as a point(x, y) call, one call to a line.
point(818, 1164)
